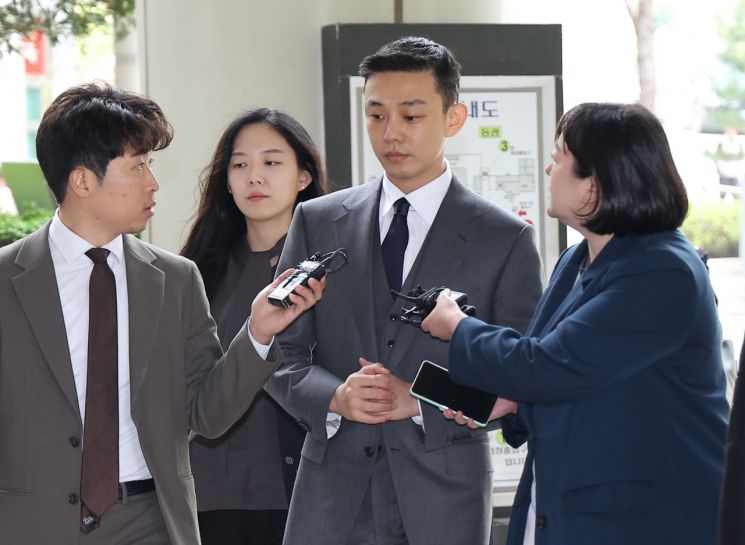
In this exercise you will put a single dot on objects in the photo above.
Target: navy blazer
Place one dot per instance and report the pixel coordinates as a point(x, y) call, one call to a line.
point(621, 396)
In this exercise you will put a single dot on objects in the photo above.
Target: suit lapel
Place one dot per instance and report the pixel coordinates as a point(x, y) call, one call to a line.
point(37, 291)
point(447, 244)
point(145, 288)
point(562, 297)
point(554, 303)
point(357, 230)
point(448, 241)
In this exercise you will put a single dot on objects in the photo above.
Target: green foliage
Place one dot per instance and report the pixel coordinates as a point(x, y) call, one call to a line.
point(734, 37)
point(732, 92)
point(715, 227)
point(720, 154)
point(15, 227)
point(718, 119)
point(61, 18)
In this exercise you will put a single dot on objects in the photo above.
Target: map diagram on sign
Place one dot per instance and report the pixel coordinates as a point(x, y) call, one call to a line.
point(497, 152)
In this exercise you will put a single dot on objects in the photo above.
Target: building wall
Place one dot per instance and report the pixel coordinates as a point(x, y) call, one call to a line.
point(204, 62)
point(13, 146)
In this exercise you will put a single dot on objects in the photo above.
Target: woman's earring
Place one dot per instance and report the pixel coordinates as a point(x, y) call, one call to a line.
point(305, 179)
point(230, 191)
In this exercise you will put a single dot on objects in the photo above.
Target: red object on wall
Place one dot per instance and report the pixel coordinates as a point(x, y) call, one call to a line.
point(34, 51)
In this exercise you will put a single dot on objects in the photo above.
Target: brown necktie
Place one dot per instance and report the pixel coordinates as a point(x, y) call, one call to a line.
point(100, 474)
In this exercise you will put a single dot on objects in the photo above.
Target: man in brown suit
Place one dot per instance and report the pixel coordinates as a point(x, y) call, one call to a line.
point(168, 375)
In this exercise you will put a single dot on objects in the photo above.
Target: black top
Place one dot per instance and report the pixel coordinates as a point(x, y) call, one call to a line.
point(243, 469)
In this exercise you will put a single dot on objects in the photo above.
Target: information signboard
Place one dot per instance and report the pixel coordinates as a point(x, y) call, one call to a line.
point(500, 152)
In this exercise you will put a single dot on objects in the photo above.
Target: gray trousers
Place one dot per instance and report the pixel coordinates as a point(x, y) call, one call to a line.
point(134, 520)
point(379, 521)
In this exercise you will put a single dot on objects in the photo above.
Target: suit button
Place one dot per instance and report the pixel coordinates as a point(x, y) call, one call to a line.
point(289, 461)
point(74, 441)
point(72, 499)
point(369, 451)
point(390, 343)
point(541, 521)
point(392, 317)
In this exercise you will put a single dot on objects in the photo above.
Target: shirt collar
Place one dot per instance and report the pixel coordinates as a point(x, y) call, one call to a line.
point(72, 245)
point(425, 201)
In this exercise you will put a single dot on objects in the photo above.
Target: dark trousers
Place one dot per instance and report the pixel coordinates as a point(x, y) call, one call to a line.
point(242, 527)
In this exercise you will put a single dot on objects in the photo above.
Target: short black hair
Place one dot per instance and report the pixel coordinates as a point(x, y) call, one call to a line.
point(624, 148)
point(417, 54)
point(91, 124)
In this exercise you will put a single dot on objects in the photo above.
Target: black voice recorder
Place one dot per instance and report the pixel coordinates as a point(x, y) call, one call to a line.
point(316, 266)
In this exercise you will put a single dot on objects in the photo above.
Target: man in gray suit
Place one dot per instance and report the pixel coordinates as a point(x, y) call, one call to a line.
point(108, 354)
point(376, 467)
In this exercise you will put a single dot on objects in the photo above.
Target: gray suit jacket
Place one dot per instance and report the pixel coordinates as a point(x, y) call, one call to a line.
point(175, 387)
point(474, 247)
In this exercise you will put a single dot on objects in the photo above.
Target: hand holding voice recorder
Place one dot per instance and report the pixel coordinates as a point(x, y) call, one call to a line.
point(424, 302)
point(316, 266)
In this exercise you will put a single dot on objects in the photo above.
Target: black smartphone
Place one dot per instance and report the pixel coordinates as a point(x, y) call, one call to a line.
point(433, 385)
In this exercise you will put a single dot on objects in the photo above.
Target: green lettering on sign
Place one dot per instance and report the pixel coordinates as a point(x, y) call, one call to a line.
point(492, 131)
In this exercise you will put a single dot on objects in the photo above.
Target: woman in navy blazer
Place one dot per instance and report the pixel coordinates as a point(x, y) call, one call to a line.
point(618, 381)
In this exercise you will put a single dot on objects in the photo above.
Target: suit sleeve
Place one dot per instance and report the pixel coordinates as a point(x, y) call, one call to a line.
point(520, 284)
point(517, 290)
point(633, 322)
point(513, 430)
point(513, 427)
point(301, 387)
point(218, 394)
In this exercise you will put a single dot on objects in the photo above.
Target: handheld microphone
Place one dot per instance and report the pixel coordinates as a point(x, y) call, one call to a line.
point(425, 302)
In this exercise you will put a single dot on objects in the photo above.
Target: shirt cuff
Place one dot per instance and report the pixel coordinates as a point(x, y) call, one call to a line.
point(333, 422)
point(261, 349)
point(418, 420)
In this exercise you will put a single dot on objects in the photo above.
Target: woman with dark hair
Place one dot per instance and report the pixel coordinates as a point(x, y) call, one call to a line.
point(264, 164)
point(618, 382)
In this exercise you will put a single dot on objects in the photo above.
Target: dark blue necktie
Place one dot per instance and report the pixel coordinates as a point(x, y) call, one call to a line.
point(394, 245)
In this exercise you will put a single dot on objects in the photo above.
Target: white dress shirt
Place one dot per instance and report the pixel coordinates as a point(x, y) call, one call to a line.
point(424, 203)
point(529, 537)
point(73, 270)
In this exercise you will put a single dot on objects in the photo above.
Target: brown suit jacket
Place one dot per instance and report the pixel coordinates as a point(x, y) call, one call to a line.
point(175, 387)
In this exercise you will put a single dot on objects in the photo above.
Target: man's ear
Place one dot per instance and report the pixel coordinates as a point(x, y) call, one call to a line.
point(79, 181)
point(456, 118)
